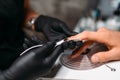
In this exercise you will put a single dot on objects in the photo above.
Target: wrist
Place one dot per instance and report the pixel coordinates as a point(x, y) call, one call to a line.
point(30, 19)
point(30, 23)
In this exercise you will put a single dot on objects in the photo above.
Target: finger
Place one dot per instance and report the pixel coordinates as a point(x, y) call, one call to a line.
point(89, 35)
point(54, 55)
point(102, 57)
point(80, 50)
point(81, 36)
point(53, 32)
point(39, 23)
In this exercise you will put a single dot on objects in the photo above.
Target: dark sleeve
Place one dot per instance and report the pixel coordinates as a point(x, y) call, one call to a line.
point(11, 19)
point(11, 34)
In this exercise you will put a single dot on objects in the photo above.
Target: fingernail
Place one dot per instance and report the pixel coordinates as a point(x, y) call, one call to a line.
point(95, 59)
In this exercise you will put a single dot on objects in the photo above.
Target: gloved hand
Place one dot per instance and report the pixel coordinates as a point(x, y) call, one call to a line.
point(52, 28)
point(33, 63)
point(33, 38)
point(32, 41)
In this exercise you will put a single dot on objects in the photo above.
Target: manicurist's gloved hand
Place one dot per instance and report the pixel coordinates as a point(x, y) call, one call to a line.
point(33, 38)
point(52, 28)
point(32, 41)
point(36, 62)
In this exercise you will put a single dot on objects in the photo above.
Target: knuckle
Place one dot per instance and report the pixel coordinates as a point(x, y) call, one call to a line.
point(102, 29)
point(86, 33)
point(105, 32)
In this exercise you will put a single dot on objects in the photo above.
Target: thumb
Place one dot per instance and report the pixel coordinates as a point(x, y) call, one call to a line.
point(101, 57)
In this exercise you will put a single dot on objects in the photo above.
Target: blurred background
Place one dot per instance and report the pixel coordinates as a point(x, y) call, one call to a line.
point(82, 15)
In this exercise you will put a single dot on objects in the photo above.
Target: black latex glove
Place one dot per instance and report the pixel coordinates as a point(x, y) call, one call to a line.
point(33, 63)
point(52, 28)
point(32, 41)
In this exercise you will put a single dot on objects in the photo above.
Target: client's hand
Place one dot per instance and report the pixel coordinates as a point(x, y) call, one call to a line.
point(110, 38)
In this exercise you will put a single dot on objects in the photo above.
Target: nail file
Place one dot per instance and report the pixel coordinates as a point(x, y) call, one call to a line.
point(60, 42)
point(57, 44)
